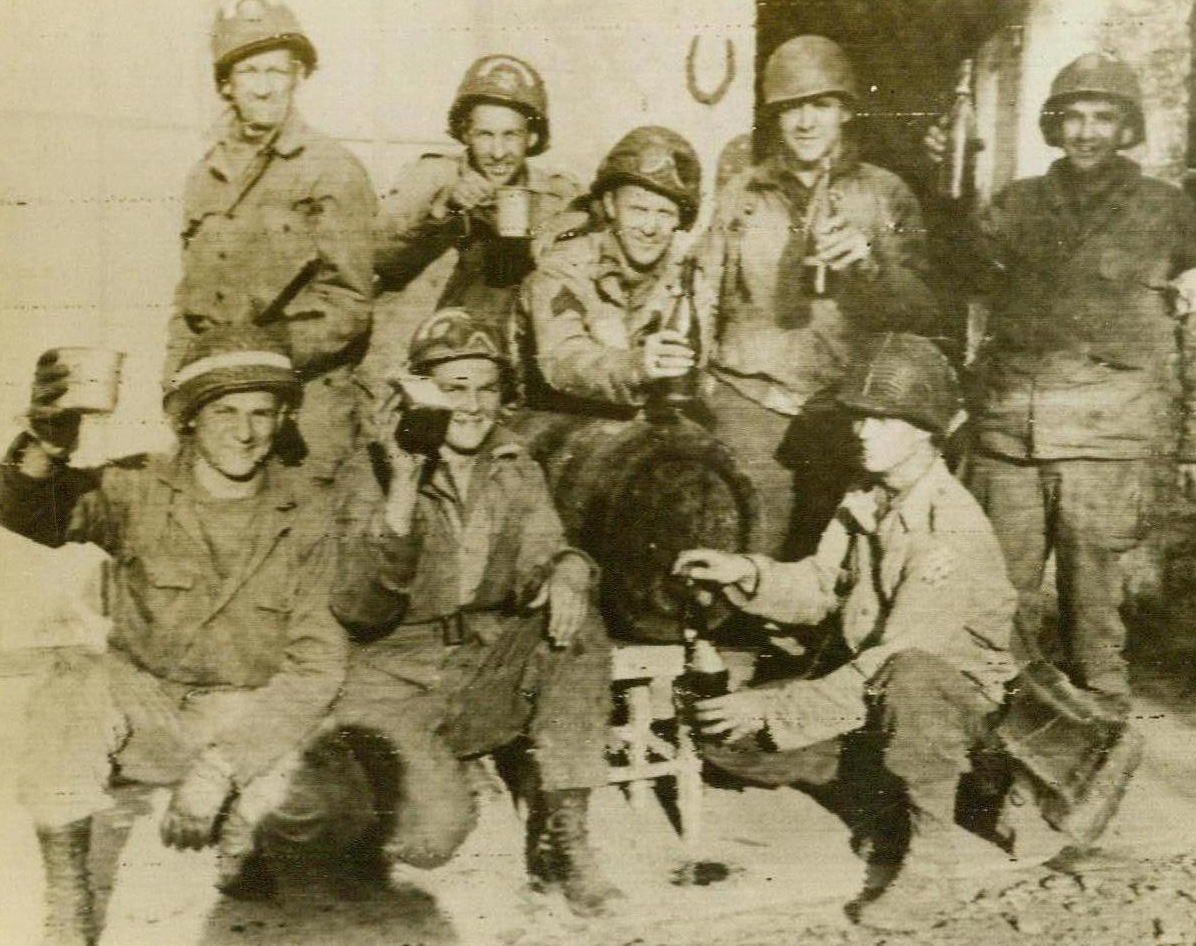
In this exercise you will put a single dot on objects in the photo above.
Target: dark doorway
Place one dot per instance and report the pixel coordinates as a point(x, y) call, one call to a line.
point(906, 54)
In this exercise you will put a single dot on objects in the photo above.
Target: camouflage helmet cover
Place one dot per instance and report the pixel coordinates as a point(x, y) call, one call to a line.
point(660, 160)
point(450, 334)
point(503, 80)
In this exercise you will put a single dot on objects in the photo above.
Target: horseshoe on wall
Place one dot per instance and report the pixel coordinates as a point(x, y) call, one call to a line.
point(691, 77)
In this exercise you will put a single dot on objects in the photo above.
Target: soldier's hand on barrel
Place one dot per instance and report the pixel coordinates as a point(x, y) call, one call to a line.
point(471, 190)
point(56, 428)
point(716, 567)
point(666, 355)
point(733, 715)
point(567, 595)
point(839, 243)
point(934, 143)
point(190, 821)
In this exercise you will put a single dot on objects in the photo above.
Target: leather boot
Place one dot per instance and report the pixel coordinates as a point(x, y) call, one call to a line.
point(241, 870)
point(924, 887)
point(70, 902)
point(559, 852)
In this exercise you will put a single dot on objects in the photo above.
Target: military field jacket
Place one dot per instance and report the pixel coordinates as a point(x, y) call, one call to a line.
point(304, 209)
point(927, 575)
point(589, 314)
point(487, 551)
point(777, 345)
point(1085, 357)
point(265, 627)
point(415, 227)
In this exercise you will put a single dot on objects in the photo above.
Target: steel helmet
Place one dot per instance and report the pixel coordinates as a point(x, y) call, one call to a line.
point(1094, 74)
point(905, 376)
point(226, 359)
point(247, 27)
point(503, 80)
point(658, 159)
point(454, 333)
point(806, 66)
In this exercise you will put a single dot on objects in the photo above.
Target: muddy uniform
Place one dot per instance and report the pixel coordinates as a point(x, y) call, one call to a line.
point(1081, 391)
point(300, 213)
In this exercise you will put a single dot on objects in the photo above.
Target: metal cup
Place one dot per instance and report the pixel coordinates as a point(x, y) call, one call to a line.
point(513, 212)
point(94, 380)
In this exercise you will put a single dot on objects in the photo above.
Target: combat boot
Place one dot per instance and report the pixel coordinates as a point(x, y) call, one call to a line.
point(925, 885)
point(70, 903)
point(559, 852)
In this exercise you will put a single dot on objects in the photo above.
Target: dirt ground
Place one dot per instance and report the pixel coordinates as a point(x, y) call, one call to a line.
point(789, 872)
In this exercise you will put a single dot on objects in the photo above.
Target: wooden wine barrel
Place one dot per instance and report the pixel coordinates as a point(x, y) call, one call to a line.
point(633, 494)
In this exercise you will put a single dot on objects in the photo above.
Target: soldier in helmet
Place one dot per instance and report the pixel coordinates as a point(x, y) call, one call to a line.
point(1082, 391)
point(277, 226)
point(475, 619)
point(912, 569)
point(223, 655)
point(599, 297)
point(444, 202)
point(812, 249)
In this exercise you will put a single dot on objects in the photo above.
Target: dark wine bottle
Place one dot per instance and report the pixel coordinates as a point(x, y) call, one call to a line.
point(683, 319)
point(955, 172)
point(705, 674)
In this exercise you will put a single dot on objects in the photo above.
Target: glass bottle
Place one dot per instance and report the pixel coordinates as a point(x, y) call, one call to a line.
point(683, 319)
point(956, 170)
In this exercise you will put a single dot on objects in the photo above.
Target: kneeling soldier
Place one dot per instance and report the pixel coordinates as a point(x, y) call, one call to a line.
point(915, 573)
point(474, 618)
point(223, 655)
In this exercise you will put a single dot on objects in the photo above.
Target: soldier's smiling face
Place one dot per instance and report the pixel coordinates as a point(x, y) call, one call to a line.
point(643, 222)
point(235, 432)
point(261, 89)
point(498, 139)
point(472, 388)
point(812, 128)
point(1091, 130)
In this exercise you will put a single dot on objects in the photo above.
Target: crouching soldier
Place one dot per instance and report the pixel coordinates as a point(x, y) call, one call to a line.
point(474, 618)
point(223, 654)
point(919, 582)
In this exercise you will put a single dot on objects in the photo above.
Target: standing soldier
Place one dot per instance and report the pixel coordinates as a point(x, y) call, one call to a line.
point(475, 619)
point(600, 302)
point(224, 655)
point(815, 249)
point(1082, 389)
point(443, 202)
point(277, 225)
